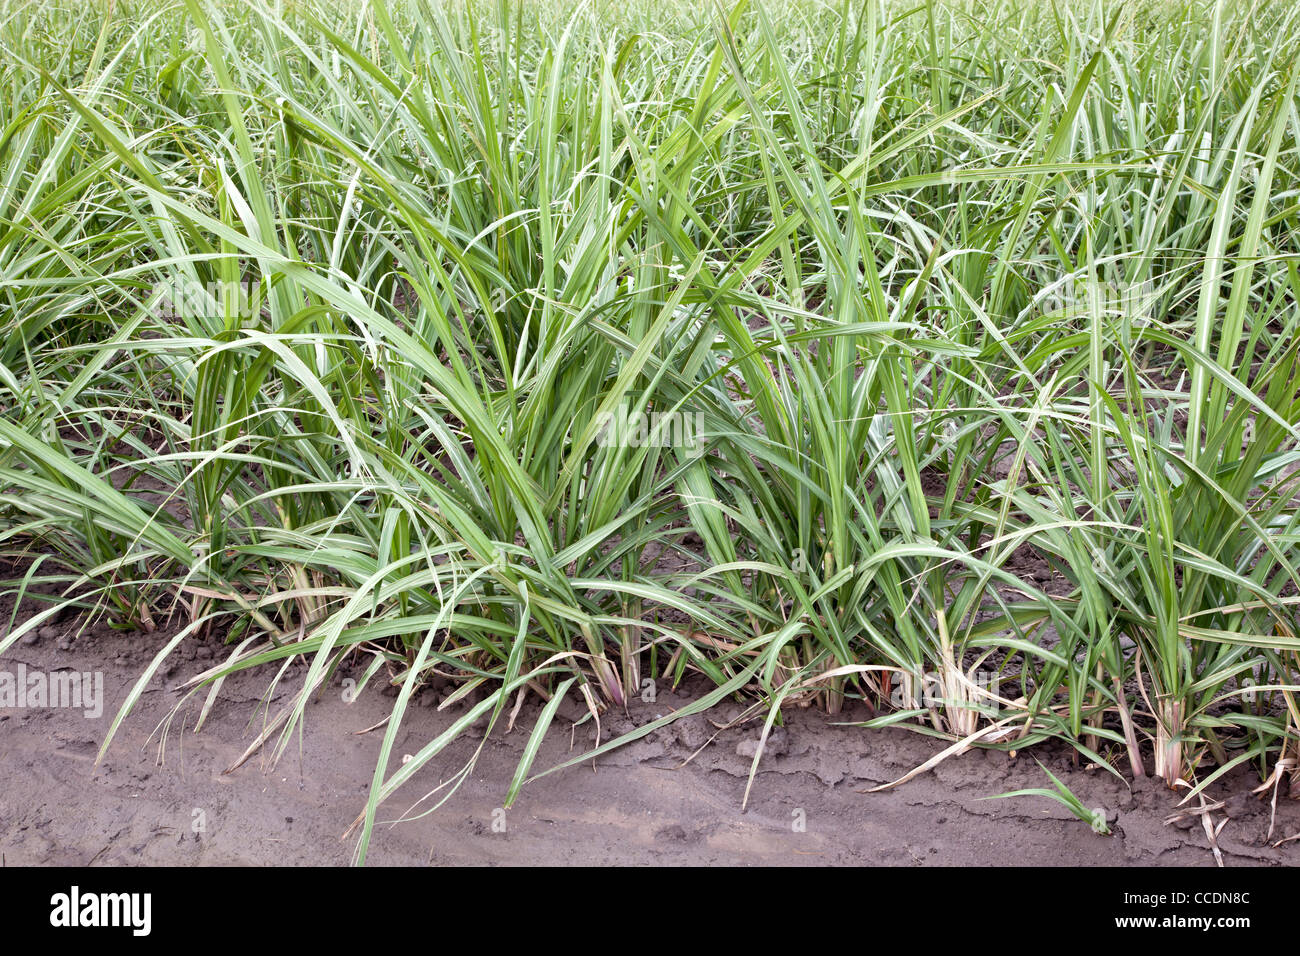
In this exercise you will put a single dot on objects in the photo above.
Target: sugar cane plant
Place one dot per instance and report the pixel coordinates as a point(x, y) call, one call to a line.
point(940, 357)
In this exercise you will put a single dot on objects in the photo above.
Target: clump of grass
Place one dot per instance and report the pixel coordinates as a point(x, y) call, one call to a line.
point(1095, 817)
point(954, 353)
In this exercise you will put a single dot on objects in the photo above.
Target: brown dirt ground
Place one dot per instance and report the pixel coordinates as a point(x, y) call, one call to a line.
point(637, 805)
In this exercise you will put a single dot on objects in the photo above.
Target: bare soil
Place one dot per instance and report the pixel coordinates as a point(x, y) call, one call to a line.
point(638, 805)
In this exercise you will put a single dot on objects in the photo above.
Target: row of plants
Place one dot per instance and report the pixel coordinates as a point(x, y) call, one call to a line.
point(937, 357)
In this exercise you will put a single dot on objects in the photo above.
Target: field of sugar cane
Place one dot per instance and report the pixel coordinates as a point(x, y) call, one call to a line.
point(941, 356)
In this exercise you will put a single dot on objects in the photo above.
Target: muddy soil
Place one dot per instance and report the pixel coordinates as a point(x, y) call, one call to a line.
point(161, 794)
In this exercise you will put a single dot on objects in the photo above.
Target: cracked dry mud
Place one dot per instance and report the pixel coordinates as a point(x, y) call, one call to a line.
point(637, 804)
